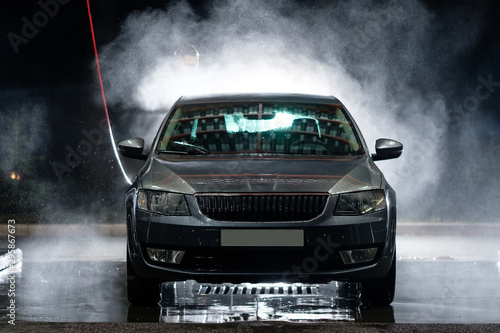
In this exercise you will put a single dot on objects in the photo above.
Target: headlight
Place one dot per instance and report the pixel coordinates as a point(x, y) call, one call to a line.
point(359, 203)
point(172, 204)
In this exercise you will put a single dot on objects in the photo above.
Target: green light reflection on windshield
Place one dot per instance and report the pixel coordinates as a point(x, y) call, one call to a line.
point(194, 129)
point(282, 120)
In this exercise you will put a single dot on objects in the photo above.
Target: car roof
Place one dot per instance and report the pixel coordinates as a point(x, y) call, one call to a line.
point(258, 97)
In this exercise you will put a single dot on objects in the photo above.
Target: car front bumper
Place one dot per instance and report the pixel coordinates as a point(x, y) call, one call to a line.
point(317, 259)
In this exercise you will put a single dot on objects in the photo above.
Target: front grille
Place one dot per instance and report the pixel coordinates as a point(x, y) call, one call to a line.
point(262, 207)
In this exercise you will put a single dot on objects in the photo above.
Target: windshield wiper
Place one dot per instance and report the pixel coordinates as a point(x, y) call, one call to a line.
point(178, 152)
point(193, 151)
point(182, 152)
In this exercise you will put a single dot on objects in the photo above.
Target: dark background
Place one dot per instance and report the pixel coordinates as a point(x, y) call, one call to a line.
point(56, 69)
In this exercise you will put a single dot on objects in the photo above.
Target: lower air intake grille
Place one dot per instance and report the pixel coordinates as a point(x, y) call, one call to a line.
point(262, 207)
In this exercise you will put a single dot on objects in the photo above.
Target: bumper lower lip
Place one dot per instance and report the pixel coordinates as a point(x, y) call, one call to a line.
point(296, 274)
point(255, 261)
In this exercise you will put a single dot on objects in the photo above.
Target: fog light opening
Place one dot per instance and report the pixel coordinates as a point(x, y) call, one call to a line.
point(358, 256)
point(165, 256)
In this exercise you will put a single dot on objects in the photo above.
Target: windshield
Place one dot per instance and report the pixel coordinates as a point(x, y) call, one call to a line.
point(276, 128)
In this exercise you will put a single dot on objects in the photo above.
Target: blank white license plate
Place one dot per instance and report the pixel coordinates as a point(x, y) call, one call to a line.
point(262, 237)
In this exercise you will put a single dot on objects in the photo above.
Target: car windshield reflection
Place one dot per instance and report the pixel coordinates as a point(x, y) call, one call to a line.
point(232, 128)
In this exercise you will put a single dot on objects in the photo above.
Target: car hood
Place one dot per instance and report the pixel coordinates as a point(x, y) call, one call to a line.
point(257, 174)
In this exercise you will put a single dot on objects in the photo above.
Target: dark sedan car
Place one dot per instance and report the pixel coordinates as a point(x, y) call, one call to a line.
point(260, 188)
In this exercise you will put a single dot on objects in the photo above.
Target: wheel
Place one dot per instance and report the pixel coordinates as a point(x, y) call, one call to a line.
point(380, 292)
point(141, 291)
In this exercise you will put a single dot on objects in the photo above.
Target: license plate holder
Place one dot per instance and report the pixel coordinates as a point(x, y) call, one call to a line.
point(262, 237)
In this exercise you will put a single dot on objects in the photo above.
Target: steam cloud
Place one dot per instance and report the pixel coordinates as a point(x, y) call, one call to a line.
point(389, 62)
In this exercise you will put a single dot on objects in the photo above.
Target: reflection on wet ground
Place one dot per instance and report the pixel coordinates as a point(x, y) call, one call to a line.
point(208, 303)
point(67, 291)
point(84, 281)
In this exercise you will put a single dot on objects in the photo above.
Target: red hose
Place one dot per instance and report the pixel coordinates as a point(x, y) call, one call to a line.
point(104, 98)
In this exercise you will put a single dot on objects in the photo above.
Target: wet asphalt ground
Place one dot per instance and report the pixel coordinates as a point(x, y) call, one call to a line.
point(448, 278)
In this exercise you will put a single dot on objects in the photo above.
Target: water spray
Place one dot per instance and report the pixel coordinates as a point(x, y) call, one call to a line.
point(127, 179)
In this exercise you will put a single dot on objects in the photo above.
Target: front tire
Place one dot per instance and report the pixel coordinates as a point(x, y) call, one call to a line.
point(380, 292)
point(141, 291)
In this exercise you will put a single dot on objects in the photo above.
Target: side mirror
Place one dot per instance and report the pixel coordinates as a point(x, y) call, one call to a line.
point(132, 148)
point(387, 149)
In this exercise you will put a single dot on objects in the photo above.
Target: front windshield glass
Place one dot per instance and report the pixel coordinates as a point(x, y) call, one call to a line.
point(274, 128)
